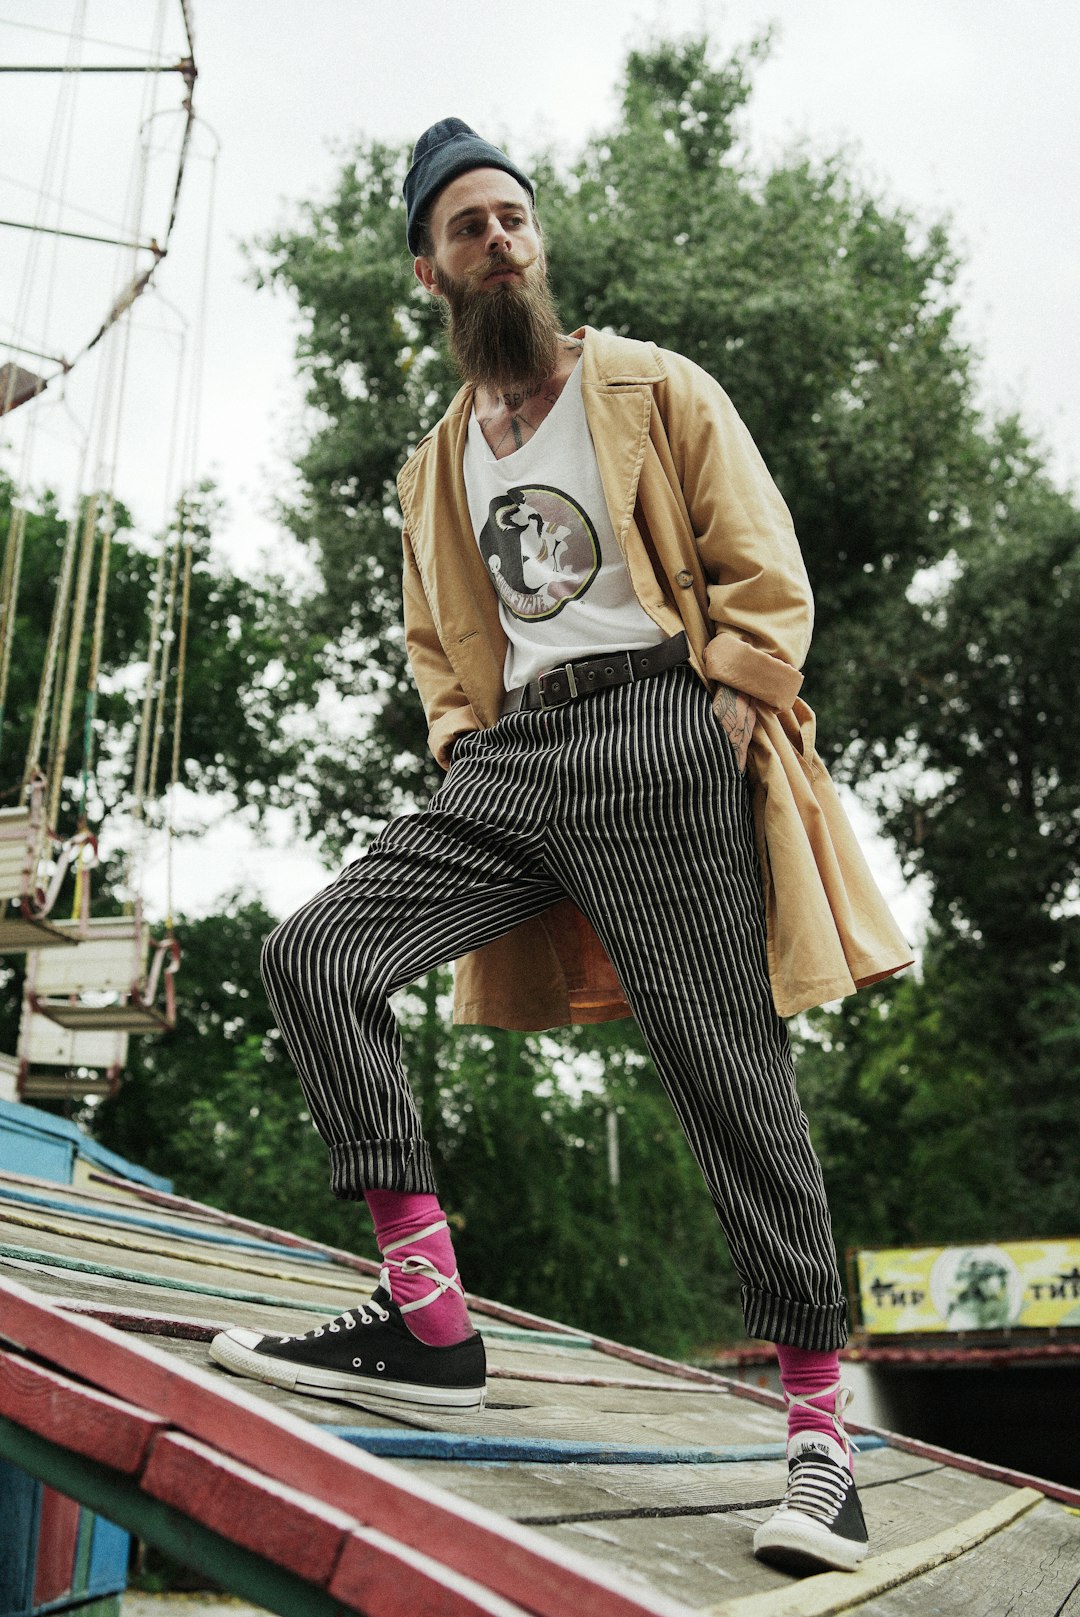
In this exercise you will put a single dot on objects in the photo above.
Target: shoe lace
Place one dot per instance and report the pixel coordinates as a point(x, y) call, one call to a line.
point(369, 1313)
point(817, 1487)
point(812, 1400)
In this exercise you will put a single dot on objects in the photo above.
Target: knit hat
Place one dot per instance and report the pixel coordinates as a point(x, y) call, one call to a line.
point(444, 151)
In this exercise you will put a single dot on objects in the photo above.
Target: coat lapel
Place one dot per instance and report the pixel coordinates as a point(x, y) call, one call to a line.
point(459, 592)
point(617, 384)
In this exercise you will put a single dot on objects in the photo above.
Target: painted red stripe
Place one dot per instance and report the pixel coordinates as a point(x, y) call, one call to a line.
point(58, 1537)
point(276, 1521)
point(80, 1418)
point(322, 1546)
point(382, 1579)
point(515, 1562)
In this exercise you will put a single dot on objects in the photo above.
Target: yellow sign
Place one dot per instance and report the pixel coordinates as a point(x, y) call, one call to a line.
point(1017, 1285)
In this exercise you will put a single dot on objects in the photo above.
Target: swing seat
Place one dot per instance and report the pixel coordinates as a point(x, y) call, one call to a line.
point(56, 1064)
point(102, 984)
point(18, 386)
point(45, 1085)
point(21, 933)
point(24, 908)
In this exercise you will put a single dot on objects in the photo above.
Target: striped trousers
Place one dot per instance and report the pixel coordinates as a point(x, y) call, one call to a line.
point(630, 802)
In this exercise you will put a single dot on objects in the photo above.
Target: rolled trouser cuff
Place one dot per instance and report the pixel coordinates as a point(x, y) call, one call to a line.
point(359, 1165)
point(821, 1327)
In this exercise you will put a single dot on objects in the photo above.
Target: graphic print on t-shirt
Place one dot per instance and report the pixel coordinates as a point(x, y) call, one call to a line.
point(541, 550)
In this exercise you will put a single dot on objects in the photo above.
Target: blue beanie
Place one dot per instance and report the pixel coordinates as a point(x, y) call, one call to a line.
point(444, 151)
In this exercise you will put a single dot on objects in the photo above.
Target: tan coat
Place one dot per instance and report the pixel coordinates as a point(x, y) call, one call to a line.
point(710, 549)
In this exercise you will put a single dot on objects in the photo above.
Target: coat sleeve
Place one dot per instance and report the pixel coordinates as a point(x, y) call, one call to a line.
point(449, 712)
point(759, 598)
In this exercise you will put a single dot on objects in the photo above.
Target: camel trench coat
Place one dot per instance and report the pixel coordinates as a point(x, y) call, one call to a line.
point(710, 548)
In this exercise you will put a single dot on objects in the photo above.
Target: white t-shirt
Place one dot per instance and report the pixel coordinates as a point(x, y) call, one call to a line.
point(542, 524)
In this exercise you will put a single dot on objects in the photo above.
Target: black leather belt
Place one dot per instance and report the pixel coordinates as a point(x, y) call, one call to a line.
point(564, 684)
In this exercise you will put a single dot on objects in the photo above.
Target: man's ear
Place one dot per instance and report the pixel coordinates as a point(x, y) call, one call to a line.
point(424, 270)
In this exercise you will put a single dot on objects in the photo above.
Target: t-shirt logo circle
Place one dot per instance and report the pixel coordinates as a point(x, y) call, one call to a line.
point(541, 550)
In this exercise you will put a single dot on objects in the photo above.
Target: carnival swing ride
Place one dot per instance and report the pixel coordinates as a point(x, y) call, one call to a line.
point(92, 980)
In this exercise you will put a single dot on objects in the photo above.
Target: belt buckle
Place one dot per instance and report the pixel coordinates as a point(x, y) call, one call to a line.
point(571, 684)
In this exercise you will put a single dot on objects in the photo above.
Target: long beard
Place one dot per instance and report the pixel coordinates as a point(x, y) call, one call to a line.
point(506, 336)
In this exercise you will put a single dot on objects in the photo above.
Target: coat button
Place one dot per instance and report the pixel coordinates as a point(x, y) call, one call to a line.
point(685, 579)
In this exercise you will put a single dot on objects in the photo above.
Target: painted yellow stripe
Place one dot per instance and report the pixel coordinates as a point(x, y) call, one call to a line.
point(321, 1279)
point(831, 1592)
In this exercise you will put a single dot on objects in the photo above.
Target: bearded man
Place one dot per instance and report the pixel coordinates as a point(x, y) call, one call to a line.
point(634, 820)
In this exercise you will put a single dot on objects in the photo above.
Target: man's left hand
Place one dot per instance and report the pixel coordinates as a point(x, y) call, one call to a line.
point(738, 715)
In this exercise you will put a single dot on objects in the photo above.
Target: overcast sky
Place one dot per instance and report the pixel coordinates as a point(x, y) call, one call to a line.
point(964, 108)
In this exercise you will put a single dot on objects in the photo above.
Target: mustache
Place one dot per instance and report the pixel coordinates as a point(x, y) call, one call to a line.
point(499, 262)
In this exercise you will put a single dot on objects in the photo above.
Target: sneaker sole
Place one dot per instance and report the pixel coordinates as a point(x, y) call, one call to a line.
point(792, 1548)
point(314, 1383)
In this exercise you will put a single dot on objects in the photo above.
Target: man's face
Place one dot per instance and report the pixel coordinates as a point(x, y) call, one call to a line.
point(488, 264)
point(483, 233)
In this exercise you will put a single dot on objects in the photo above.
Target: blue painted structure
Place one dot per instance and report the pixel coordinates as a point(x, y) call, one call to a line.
point(47, 1147)
point(98, 1552)
point(37, 1143)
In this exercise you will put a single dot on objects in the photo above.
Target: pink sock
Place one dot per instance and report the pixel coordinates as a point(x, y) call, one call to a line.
point(415, 1252)
point(815, 1377)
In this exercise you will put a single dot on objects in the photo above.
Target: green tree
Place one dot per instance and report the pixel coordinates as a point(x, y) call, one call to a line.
point(970, 1075)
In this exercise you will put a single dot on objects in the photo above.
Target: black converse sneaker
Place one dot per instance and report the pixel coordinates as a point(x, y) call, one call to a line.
point(819, 1524)
point(365, 1353)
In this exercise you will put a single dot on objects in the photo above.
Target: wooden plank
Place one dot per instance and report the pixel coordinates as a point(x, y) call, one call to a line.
point(834, 1592)
point(517, 1563)
point(166, 1279)
point(382, 1579)
point(276, 1521)
point(658, 1383)
point(58, 1537)
point(1031, 1568)
point(55, 1233)
point(546, 1495)
point(982, 1468)
point(81, 1418)
point(70, 1205)
point(128, 1305)
point(564, 1420)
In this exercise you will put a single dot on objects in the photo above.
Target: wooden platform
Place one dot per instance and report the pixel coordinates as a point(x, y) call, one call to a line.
point(599, 1481)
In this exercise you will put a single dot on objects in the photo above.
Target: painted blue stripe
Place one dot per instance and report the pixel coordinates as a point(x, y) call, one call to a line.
point(160, 1226)
point(395, 1444)
point(541, 1339)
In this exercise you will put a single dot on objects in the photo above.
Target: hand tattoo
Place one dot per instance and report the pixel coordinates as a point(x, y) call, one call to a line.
point(737, 715)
